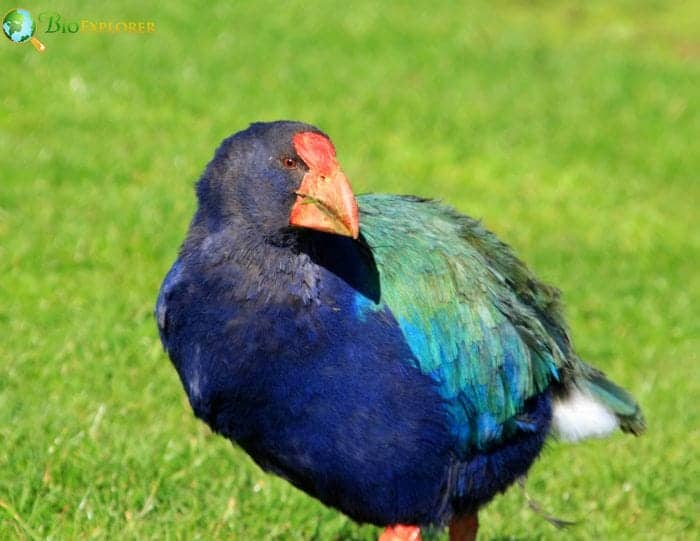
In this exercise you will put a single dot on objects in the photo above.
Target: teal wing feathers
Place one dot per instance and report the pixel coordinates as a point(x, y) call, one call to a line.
point(474, 316)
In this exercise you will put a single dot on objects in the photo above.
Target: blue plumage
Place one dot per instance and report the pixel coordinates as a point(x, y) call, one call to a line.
point(328, 398)
point(406, 376)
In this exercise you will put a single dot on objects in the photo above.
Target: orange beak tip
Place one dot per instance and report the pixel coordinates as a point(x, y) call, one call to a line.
point(326, 204)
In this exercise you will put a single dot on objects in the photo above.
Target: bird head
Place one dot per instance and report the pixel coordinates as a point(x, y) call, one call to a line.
point(279, 174)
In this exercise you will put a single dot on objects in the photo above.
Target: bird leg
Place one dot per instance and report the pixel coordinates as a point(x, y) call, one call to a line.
point(399, 532)
point(464, 528)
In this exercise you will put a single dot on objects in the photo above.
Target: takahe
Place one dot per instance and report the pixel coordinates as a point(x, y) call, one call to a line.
point(385, 354)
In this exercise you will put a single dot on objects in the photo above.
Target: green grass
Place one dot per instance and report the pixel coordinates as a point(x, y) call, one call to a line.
point(573, 131)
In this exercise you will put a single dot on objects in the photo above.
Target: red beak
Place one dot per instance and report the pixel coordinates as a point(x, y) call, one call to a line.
point(325, 200)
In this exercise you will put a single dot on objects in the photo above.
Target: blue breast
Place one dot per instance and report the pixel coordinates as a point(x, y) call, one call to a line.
point(330, 398)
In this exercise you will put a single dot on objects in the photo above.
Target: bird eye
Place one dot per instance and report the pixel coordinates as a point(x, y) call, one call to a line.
point(289, 163)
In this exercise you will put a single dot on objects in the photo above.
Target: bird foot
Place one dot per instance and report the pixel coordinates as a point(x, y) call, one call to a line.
point(399, 532)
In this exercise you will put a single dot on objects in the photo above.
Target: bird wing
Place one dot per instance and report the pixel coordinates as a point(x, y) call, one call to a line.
point(476, 319)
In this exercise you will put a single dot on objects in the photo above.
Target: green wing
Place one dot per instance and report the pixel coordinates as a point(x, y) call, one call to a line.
point(476, 319)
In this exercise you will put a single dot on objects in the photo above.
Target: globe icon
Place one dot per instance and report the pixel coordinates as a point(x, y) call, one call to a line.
point(19, 27)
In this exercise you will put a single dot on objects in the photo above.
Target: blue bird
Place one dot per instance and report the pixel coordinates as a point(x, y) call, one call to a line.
point(385, 354)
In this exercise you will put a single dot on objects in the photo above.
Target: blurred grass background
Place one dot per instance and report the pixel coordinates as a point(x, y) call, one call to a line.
point(573, 129)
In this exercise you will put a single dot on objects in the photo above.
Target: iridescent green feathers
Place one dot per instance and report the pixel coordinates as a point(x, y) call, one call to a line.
point(486, 329)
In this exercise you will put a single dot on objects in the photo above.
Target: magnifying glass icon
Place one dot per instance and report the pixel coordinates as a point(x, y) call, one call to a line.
point(19, 27)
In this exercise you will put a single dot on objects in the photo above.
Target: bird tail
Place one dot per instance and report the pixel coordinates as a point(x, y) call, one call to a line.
point(593, 406)
point(617, 400)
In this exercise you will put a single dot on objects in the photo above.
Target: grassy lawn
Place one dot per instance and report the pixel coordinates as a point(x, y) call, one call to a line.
point(572, 131)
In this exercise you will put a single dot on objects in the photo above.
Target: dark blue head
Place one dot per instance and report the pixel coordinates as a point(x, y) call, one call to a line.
point(273, 175)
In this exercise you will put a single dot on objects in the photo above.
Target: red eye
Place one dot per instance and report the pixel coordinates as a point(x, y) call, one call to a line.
point(289, 163)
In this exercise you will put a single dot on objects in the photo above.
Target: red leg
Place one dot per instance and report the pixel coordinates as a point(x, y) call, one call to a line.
point(464, 528)
point(399, 532)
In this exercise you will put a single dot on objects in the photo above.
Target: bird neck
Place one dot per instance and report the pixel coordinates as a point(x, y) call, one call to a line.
point(281, 262)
